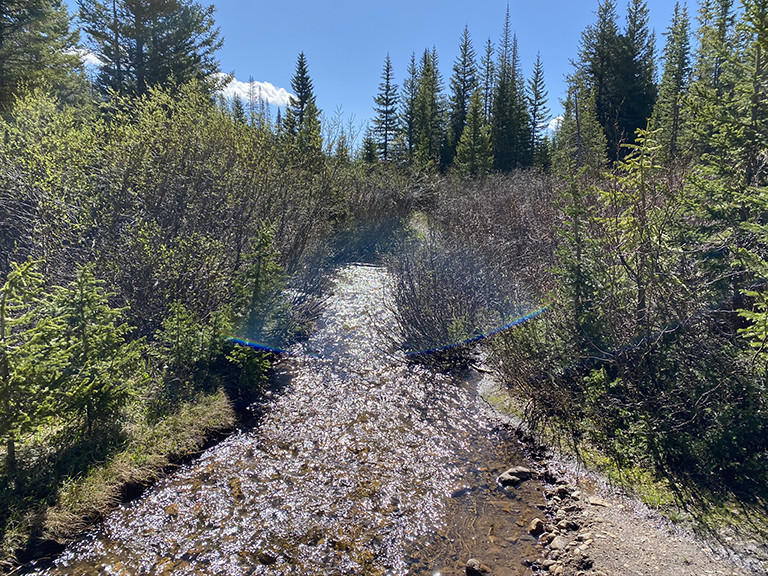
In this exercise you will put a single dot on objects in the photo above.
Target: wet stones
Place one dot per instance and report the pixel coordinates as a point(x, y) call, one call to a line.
point(536, 528)
point(477, 568)
point(564, 541)
point(514, 476)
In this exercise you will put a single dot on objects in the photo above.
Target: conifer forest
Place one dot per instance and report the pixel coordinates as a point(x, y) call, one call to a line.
point(161, 245)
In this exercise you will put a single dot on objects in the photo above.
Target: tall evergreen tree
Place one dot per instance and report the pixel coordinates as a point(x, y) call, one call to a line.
point(521, 121)
point(753, 95)
point(488, 79)
point(385, 121)
point(674, 84)
point(473, 153)
point(619, 68)
point(142, 44)
point(580, 140)
point(510, 124)
point(429, 111)
point(408, 109)
point(302, 115)
point(751, 167)
point(501, 116)
point(597, 67)
point(711, 99)
point(36, 46)
point(463, 84)
point(238, 110)
point(539, 112)
point(634, 72)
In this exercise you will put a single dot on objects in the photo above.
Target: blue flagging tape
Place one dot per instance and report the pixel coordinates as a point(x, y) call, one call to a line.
point(479, 337)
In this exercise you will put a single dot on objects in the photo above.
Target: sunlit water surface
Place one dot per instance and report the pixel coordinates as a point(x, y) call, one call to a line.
point(362, 464)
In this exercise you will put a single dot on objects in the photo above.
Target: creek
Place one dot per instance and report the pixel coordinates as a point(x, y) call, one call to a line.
point(361, 464)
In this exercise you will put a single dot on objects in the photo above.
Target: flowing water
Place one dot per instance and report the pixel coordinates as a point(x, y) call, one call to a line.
point(361, 464)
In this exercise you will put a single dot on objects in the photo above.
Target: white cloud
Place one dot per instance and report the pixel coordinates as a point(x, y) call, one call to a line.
point(88, 58)
point(554, 124)
point(268, 92)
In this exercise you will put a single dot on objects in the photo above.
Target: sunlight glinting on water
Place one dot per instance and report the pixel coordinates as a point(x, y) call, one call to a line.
point(362, 464)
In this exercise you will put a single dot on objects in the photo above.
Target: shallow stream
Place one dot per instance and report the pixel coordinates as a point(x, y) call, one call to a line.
point(361, 464)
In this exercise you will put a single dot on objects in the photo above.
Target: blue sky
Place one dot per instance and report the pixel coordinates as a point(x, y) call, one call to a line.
point(346, 42)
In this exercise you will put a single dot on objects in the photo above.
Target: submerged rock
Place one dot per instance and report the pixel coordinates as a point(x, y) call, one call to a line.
point(515, 476)
point(536, 527)
point(476, 568)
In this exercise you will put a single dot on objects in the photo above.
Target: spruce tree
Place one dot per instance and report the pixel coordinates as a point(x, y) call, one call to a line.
point(26, 356)
point(521, 121)
point(753, 95)
point(674, 84)
point(510, 123)
point(473, 153)
point(37, 47)
point(580, 142)
point(408, 109)
point(501, 112)
point(429, 110)
point(463, 84)
point(100, 358)
point(238, 110)
point(302, 117)
point(597, 67)
point(385, 121)
point(634, 72)
point(488, 80)
point(309, 137)
point(539, 113)
point(714, 134)
point(752, 169)
point(711, 100)
point(142, 44)
point(369, 152)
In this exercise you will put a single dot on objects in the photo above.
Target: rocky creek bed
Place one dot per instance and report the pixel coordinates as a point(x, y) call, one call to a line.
point(364, 464)
point(589, 528)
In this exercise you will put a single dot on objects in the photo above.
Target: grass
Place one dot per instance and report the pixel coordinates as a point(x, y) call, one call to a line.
point(680, 501)
point(144, 455)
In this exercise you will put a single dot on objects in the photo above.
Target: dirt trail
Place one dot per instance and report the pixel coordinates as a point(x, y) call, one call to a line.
point(591, 529)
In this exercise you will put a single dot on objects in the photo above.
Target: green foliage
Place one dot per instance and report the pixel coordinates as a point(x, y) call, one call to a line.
point(29, 362)
point(386, 122)
point(539, 113)
point(463, 85)
point(473, 154)
point(580, 141)
point(429, 113)
point(667, 113)
point(145, 44)
point(302, 123)
point(618, 67)
point(100, 360)
point(36, 49)
point(408, 110)
point(45, 155)
point(510, 123)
